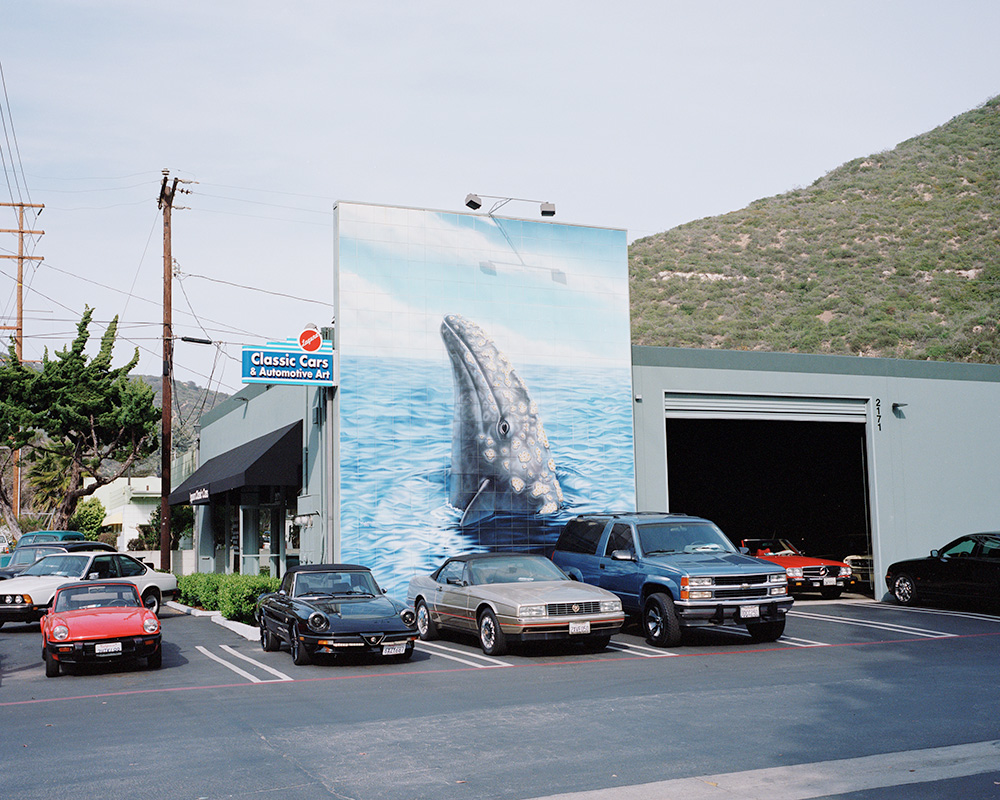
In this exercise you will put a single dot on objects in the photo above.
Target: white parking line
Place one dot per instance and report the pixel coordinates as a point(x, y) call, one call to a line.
point(794, 641)
point(640, 650)
point(941, 612)
point(884, 626)
point(281, 675)
point(438, 650)
point(227, 665)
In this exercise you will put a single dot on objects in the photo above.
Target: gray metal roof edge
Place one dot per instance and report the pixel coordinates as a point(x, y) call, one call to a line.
point(247, 392)
point(692, 358)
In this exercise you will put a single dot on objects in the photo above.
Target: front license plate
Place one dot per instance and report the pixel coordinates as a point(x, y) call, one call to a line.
point(108, 648)
point(750, 612)
point(579, 627)
point(829, 581)
point(394, 649)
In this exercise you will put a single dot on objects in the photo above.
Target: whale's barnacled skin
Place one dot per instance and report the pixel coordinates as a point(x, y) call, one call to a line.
point(500, 460)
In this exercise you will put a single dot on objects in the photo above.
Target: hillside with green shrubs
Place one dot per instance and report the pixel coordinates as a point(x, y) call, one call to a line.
point(895, 254)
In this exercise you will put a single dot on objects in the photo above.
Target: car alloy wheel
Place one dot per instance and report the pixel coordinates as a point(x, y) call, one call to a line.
point(268, 641)
point(300, 657)
point(426, 627)
point(663, 627)
point(151, 600)
point(491, 638)
point(904, 590)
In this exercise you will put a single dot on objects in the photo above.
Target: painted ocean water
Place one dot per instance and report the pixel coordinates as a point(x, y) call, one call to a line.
point(396, 429)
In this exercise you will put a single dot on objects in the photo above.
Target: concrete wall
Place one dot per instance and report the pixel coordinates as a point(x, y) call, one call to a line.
point(932, 462)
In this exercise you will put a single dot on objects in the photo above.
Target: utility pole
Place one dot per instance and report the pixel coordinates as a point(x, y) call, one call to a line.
point(168, 189)
point(18, 328)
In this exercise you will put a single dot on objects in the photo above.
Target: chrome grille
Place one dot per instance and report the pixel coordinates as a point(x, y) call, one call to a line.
point(568, 609)
point(741, 593)
point(738, 580)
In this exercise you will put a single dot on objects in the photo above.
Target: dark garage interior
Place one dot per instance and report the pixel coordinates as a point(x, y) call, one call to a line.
point(801, 481)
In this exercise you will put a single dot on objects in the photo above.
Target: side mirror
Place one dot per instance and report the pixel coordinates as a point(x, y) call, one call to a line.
point(623, 555)
point(93, 576)
point(745, 551)
point(454, 581)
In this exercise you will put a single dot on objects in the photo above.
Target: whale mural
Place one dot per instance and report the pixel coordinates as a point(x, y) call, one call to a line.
point(500, 457)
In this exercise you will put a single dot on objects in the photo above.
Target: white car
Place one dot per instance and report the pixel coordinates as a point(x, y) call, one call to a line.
point(28, 596)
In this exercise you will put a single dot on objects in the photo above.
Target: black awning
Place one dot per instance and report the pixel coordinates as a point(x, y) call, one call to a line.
point(274, 459)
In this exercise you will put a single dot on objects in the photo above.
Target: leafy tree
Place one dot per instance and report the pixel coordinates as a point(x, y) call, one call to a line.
point(83, 412)
point(88, 518)
point(181, 522)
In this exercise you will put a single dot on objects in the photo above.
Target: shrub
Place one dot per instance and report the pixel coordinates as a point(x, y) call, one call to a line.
point(238, 595)
point(200, 589)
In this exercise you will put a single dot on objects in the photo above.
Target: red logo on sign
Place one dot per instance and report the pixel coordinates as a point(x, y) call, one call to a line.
point(310, 340)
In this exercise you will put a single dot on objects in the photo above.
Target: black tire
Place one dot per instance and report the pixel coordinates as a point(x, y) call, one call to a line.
point(831, 592)
point(300, 656)
point(766, 631)
point(904, 589)
point(151, 600)
point(426, 627)
point(660, 621)
point(51, 665)
point(268, 641)
point(491, 638)
point(155, 661)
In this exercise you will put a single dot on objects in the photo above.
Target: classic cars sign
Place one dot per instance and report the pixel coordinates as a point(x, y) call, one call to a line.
point(305, 360)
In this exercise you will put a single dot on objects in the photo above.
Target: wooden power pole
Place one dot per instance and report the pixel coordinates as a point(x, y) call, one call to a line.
point(166, 203)
point(18, 328)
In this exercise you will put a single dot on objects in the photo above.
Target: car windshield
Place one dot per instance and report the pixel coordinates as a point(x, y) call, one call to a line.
point(682, 537)
point(29, 555)
point(515, 569)
point(65, 566)
point(97, 596)
point(334, 583)
point(771, 547)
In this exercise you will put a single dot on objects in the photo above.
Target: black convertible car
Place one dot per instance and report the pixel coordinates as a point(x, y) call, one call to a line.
point(965, 570)
point(334, 608)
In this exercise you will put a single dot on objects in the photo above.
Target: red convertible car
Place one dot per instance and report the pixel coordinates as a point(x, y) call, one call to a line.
point(99, 621)
point(805, 573)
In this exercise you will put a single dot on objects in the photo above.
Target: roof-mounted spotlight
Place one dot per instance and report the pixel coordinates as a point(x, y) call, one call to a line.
point(475, 202)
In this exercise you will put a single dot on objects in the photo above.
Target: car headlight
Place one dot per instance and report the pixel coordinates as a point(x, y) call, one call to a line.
point(610, 606)
point(408, 617)
point(778, 590)
point(794, 572)
point(150, 625)
point(845, 572)
point(700, 581)
point(777, 577)
point(531, 611)
point(317, 622)
point(60, 633)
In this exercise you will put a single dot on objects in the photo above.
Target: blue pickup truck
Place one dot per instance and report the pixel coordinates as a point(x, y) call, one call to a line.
point(675, 571)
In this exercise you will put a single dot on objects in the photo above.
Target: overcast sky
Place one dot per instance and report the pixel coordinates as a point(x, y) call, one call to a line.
point(634, 115)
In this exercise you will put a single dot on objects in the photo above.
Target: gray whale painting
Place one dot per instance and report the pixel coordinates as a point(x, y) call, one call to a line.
point(500, 458)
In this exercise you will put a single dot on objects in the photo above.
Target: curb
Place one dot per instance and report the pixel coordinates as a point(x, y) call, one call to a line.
point(248, 632)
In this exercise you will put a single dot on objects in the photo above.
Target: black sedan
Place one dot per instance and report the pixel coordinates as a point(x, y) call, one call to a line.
point(332, 609)
point(965, 570)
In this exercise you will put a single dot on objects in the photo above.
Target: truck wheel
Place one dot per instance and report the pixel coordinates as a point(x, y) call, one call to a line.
point(766, 631)
point(659, 618)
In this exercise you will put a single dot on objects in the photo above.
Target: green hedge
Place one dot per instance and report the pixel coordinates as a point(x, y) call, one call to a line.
point(233, 595)
point(238, 595)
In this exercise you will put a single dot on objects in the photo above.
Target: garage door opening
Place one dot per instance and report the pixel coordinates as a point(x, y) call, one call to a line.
point(798, 480)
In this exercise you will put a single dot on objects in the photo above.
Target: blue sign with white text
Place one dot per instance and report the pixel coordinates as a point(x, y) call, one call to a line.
point(290, 364)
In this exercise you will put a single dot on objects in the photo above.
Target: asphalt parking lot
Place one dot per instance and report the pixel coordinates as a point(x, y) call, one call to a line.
point(850, 679)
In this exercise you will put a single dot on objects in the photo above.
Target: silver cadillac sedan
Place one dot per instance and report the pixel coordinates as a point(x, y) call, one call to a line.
point(512, 597)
